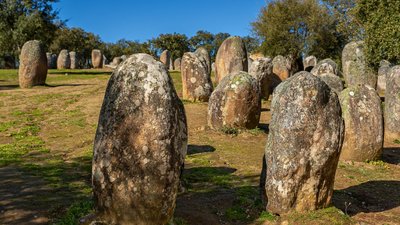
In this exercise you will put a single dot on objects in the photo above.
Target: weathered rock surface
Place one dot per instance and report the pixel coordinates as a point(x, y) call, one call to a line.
point(97, 59)
point(261, 70)
point(392, 105)
point(74, 60)
point(196, 81)
point(355, 68)
point(123, 57)
point(165, 57)
point(177, 64)
point(33, 65)
point(63, 60)
point(231, 57)
point(309, 63)
point(235, 103)
point(325, 66)
point(51, 60)
point(333, 81)
point(303, 146)
point(116, 61)
point(140, 145)
point(362, 114)
point(383, 72)
point(250, 61)
point(204, 55)
point(281, 71)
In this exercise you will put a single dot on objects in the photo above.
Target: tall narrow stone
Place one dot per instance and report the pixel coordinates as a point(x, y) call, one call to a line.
point(177, 64)
point(165, 57)
point(196, 81)
point(281, 71)
point(97, 59)
point(140, 145)
point(261, 69)
point(231, 58)
point(203, 53)
point(303, 146)
point(392, 105)
point(63, 60)
point(74, 60)
point(383, 72)
point(355, 68)
point(363, 119)
point(33, 65)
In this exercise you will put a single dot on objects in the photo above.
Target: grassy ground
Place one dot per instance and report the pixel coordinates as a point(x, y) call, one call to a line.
point(46, 141)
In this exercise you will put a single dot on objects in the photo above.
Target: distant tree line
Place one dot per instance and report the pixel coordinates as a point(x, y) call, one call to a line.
point(293, 28)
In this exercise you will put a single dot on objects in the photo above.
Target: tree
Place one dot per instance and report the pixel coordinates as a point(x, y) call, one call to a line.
point(381, 21)
point(297, 28)
point(218, 39)
point(252, 43)
point(177, 44)
point(24, 20)
point(202, 39)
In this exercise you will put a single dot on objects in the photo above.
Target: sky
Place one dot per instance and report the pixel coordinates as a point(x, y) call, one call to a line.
point(141, 20)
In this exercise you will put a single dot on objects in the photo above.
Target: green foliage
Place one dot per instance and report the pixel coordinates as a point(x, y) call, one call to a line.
point(381, 21)
point(177, 44)
point(24, 20)
point(296, 28)
point(75, 212)
point(266, 216)
point(397, 141)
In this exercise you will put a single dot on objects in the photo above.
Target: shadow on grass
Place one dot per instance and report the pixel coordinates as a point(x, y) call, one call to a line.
point(63, 72)
point(371, 196)
point(391, 155)
point(264, 127)
point(66, 85)
point(8, 87)
point(195, 149)
point(33, 193)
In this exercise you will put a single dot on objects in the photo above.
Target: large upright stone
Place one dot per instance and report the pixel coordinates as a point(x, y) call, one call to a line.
point(231, 57)
point(392, 105)
point(51, 60)
point(116, 61)
point(355, 68)
point(303, 146)
point(325, 66)
point(205, 57)
point(140, 145)
point(383, 72)
point(196, 81)
point(333, 81)
point(165, 58)
point(74, 60)
point(261, 69)
point(63, 60)
point(309, 63)
point(33, 65)
point(97, 59)
point(280, 69)
point(363, 119)
point(177, 64)
point(235, 103)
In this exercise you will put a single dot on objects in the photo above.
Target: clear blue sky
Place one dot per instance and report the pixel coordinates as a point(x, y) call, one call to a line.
point(142, 20)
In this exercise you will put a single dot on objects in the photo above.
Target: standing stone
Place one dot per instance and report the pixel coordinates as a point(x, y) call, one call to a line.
point(177, 64)
point(363, 119)
point(280, 71)
point(383, 72)
point(74, 60)
point(355, 68)
point(205, 56)
point(165, 57)
point(333, 81)
point(171, 64)
point(116, 61)
point(231, 57)
point(123, 57)
point(250, 61)
point(235, 103)
point(303, 146)
point(105, 61)
point(325, 66)
point(97, 59)
point(309, 63)
point(51, 60)
point(33, 65)
point(140, 145)
point(261, 70)
point(63, 60)
point(196, 81)
point(392, 105)
point(213, 67)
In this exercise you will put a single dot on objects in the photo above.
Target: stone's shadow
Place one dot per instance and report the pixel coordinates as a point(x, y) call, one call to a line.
point(194, 149)
point(8, 87)
point(264, 127)
point(391, 155)
point(371, 196)
point(65, 85)
point(80, 72)
point(265, 110)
